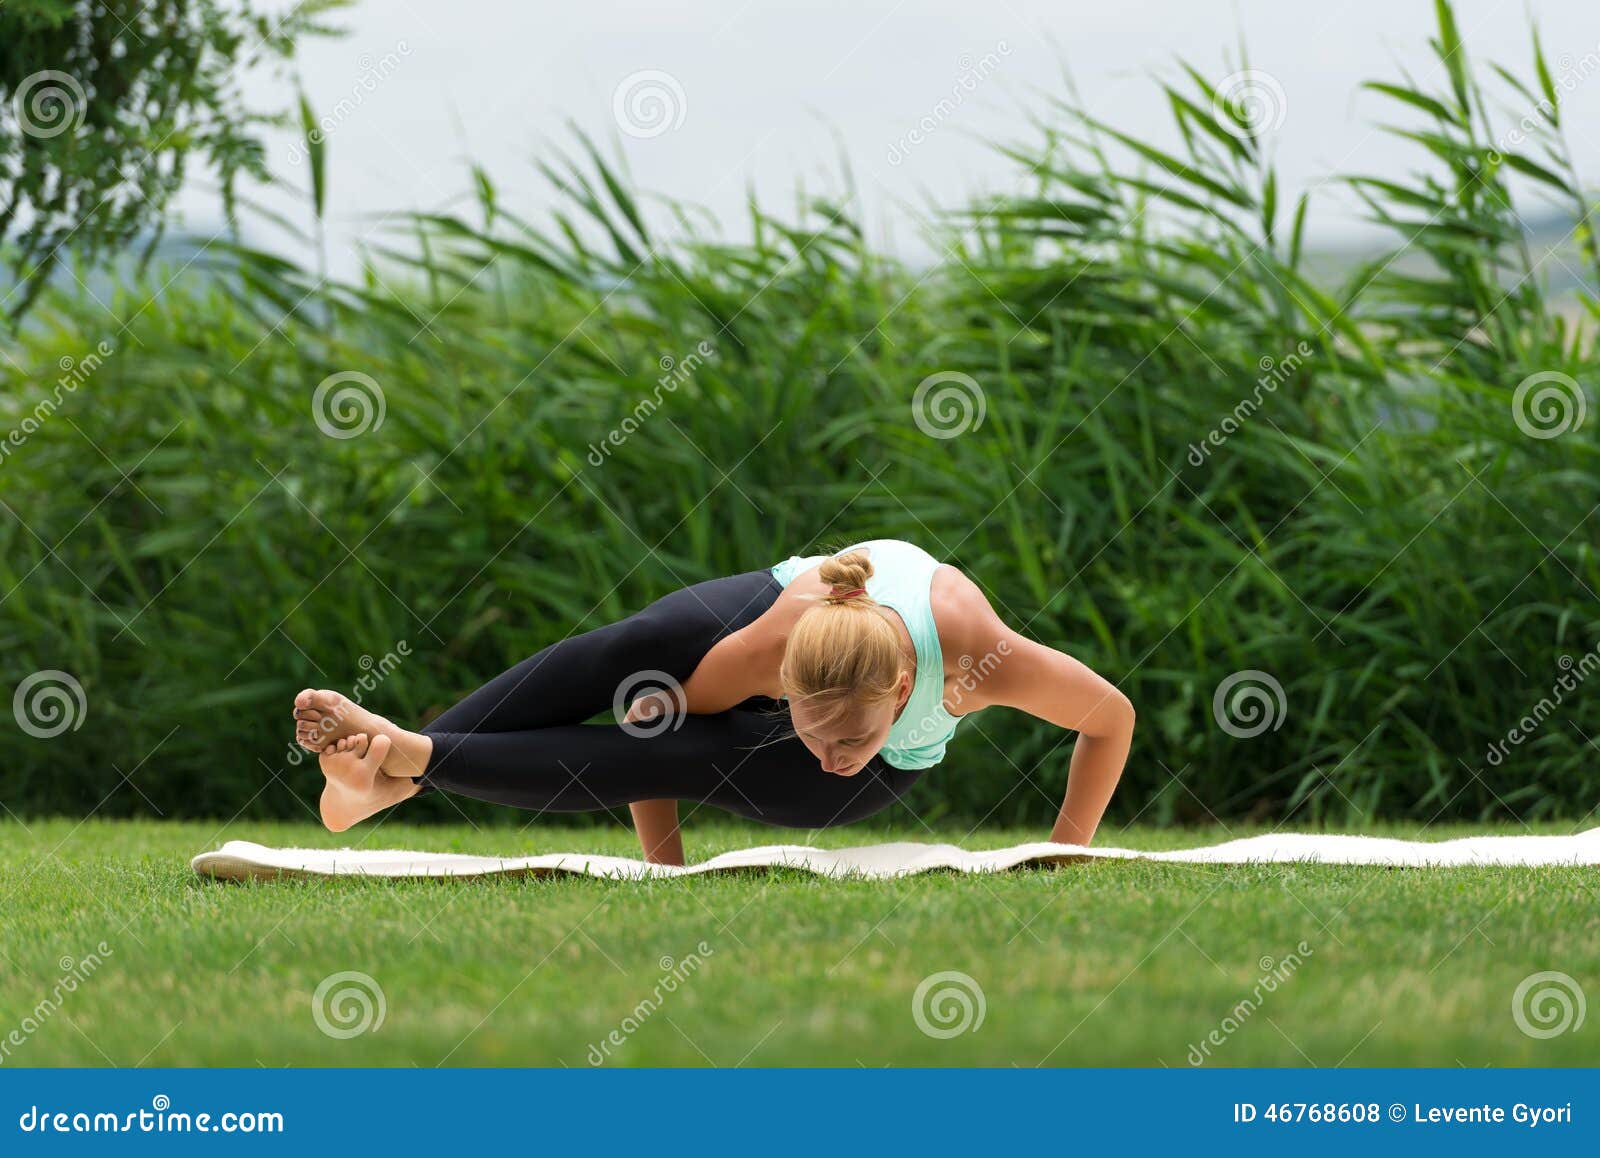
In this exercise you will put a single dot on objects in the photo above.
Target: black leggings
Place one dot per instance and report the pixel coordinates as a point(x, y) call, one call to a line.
point(521, 738)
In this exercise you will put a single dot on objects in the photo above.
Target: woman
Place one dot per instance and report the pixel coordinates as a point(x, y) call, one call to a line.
point(879, 652)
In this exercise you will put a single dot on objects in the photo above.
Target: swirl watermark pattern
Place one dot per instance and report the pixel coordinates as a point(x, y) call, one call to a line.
point(1548, 1004)
point(948, 1004)
point(48, 703)
point(348, 1004)
point(49, 103)
point(948, 404)
point(1249, 104)
point(649, 703)
point(649, 103)
point(1257, 705)
point(1548, 404)
point(348, 404)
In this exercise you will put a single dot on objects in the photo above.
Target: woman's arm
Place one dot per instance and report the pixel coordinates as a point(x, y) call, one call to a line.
point(741, 664)
point(656, 822)
point(1019, 673)
point(1055, 687)
point(730, 673)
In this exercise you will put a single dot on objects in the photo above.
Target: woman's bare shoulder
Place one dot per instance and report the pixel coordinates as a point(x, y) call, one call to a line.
point(756, 649)
point(774, 623)
point(967, 624)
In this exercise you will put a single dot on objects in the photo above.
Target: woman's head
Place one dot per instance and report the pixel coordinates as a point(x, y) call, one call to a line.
point(843, 669)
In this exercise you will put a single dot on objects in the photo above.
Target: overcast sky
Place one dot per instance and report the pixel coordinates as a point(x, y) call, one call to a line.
point(704, 99)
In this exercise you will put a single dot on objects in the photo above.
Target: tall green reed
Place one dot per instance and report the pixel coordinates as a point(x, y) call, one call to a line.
point(1198, 457)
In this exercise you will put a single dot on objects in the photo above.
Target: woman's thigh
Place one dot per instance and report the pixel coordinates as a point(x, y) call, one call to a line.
point(746, 761)
point(773, 778)
point(581, 676)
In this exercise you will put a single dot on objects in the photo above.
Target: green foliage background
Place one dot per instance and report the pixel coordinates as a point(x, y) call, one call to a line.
point(1381, 536)
point(107, 106)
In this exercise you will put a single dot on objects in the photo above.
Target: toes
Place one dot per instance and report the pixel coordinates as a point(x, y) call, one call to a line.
point(318, 713)
point(378, 752)
point(356, 744)
point(329, 708)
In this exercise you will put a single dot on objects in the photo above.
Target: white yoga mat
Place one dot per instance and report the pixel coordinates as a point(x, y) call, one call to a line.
point(242, 860)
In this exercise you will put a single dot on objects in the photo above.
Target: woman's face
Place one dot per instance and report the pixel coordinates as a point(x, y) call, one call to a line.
point(844, 744)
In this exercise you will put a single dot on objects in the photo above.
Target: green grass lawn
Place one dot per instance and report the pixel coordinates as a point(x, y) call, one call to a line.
point(1103, 964)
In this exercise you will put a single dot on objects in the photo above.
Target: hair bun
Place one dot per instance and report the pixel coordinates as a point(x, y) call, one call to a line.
point(846, 575)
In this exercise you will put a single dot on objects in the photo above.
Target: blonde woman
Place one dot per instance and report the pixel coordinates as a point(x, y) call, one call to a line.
point(809, 694)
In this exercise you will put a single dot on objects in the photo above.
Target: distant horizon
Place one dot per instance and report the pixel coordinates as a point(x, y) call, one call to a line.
point(772, 98)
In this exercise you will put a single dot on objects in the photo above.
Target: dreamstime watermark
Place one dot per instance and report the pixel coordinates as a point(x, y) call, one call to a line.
point(74, 972)
point(1273, 974)
point(373, 73)
point(373, 673)
point(1564, 686)
point(948, 404)
point(649, 703)
point(973, 73)
point(48, 703)
point(1548, 1004)
point(948, 1004)
point(348, 404)
point(1256, 705)
point(674, 373)
point(74, 373)
point(673, 974)
point(1548, 404)
point(160, 1118)
point(1569, 75)
point(649, 103)
point(973, 673)
point(1249, 104)
point(1274, 373)
point(49, 103)
point(347, 1004)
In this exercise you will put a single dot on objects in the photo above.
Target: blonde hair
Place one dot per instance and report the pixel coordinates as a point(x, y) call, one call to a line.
point(844, 652)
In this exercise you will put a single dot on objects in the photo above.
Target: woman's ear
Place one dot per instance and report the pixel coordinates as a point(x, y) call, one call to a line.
point(905, 690)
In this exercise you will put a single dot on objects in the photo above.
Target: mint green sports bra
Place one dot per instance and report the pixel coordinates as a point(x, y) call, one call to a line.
point(902, 577)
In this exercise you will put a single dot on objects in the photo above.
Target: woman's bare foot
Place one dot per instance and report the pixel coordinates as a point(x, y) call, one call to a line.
point(322, 717)
point(356, 788)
